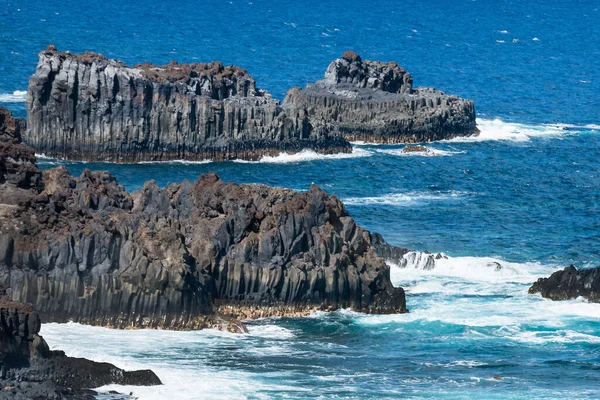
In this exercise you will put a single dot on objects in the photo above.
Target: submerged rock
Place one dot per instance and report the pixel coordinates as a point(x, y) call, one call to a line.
point(570, 283)
point(87, 107)
point(188, 256)
point(30, 370)
point(373, 101)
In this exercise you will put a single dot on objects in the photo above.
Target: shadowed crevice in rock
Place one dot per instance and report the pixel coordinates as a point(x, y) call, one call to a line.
point(375, 102)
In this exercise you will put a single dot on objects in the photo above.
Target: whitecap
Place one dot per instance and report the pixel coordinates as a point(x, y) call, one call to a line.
point(404, 199)
point(510, 131)
point(18, 96)
point(184, 162)
point(308, 155)
point(480, 269)
point(431, 152)
point(270, 332)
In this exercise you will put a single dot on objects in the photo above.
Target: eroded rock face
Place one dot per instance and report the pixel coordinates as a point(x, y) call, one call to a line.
point(570, 283)
point(375, 102)
point(188, 256)
point(87, 107)
point(29, 369)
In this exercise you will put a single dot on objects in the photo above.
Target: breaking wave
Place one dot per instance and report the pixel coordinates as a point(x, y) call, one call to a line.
point(18, 96)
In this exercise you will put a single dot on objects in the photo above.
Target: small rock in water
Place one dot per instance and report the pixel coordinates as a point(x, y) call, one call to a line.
point(416, 149)
point(497, 377)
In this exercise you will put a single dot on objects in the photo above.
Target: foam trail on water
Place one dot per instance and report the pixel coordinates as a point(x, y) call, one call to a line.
point(404, 199)
point(18, 96)
point(431, 152)
point(510, 131)
point(308, 155)
point(184, 162)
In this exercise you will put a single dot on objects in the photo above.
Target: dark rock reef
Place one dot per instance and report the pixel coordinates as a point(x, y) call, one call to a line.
point(87, 107)
point(30, 370)
point(375, 102)
point(570, 283)
point(188, 256)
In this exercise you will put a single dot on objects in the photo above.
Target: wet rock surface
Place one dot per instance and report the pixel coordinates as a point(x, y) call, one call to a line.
point(87, 107)
point(188, 256)
point(375, 102)
point(570, 283)
point(30, 370)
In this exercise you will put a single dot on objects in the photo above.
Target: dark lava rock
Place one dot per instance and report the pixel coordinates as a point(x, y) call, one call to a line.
point(374, 101)
point(30, 370)
point(570, 283)
point(87, 107)
point(415, 149)
point(188, 256)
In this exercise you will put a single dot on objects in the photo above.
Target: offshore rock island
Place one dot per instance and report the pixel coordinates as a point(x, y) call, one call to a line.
point(570, 283)
point(86, 107)
point(188, 256)
point(375, 102)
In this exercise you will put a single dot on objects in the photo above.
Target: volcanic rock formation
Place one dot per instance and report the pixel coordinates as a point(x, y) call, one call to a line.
point(375, 102)
point(570, 283)
point(30, 370)
point(87, 107)
point(187, 256)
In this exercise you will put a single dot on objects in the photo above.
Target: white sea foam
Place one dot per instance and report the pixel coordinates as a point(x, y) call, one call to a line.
point(431, 152)
point(180, 359)
point(184, 162)
point(404, 199)
point(308, 155)
point(18, 96)
point(499, 130)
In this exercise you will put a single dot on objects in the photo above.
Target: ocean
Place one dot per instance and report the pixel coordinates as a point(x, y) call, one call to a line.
point(525, 193)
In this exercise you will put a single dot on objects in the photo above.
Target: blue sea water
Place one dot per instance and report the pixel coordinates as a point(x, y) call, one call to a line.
point(526, 193)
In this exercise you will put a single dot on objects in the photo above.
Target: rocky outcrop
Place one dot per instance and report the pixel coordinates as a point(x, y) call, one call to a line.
point(30, 370)
point(188, 256)
point(372, 101)
point(570, 283)
point(87, 107)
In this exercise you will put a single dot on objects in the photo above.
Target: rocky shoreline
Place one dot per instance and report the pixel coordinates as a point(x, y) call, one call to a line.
point(85, 107)
point(30, 370)
point(188, 256)
point(374, 102)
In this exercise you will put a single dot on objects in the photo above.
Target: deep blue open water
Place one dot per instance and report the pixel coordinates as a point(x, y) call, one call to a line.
point(526, 193)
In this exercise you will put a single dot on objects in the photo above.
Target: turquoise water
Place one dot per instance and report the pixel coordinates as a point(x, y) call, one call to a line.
point(526, 193)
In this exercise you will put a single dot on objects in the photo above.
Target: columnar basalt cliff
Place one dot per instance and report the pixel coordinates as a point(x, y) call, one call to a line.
point(375, 102)
point(30, 370)
point(87, 107)
point(570, 283)
point(187, 256)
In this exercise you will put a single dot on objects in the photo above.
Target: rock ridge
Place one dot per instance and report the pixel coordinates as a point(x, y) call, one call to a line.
point(375, 102)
